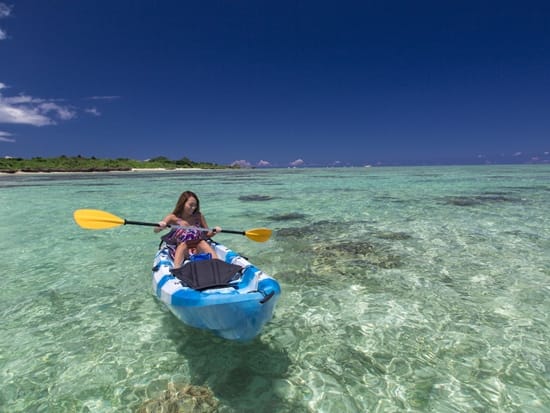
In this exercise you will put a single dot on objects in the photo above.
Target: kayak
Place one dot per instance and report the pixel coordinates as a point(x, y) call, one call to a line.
point(229, 296)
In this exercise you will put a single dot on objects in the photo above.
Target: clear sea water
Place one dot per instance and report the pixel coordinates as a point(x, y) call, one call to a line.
point(421, 289)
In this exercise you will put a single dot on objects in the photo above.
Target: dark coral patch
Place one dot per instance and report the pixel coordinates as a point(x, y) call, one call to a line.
point(395, 236)
point(295, 232)
point(255, 198)
point(487, 198)
point(287, 217)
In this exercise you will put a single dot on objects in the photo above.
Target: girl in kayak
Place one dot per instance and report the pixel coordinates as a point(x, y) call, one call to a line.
point(189, 234)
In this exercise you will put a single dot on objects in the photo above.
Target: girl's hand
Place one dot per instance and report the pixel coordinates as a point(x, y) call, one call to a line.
point(215, 230)
point(160, 227)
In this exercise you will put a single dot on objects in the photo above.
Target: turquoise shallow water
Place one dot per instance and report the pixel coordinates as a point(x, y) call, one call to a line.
point(404, 289)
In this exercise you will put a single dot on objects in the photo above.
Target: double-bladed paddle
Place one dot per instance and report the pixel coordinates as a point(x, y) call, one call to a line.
point(97, 219)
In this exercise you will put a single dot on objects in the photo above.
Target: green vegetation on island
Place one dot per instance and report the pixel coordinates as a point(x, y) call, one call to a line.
point(81, 164)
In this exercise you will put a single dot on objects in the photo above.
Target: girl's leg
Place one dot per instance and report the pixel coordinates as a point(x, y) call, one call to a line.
point(205, 247)
point(181, 251)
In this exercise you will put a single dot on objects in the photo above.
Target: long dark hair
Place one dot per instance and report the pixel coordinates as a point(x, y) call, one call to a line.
point(180, 205)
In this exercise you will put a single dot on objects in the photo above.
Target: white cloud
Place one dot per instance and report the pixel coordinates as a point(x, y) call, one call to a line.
point(242, 163)
point(297, 162)
point(24, 109)
point(103, 97)
point(5, 11)
point(22, 115)
point(62, 112)
point(93, 111)
point(4, 137)
point(264, 163)
point(27, 110)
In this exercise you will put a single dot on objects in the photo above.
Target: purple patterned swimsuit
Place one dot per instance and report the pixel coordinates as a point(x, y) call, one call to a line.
point(186, 234)
point(176, 236)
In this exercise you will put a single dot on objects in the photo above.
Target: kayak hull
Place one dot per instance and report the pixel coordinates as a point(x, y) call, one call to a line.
point(235, 312)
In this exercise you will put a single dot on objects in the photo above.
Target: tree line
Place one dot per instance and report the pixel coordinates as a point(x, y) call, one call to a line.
point(82, 164)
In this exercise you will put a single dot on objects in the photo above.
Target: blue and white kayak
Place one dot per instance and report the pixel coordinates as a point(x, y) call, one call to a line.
point(237, 310)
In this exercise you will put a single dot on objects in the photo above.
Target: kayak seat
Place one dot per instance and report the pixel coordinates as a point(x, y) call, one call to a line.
point(204, 274)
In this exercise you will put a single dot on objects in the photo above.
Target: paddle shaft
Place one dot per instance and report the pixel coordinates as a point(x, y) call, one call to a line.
point(97, 219)
point(151, 224)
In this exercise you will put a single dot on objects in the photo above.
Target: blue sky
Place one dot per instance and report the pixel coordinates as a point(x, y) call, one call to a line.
point(277, 83)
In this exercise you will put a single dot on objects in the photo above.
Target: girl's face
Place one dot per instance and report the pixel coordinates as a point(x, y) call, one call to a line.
point(190, 206)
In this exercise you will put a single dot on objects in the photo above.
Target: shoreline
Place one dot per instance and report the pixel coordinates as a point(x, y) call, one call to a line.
point(20, 172)
point(47, 172)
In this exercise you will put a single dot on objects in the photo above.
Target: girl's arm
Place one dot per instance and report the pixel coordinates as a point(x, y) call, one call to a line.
point(167, 220)
point(211, 233)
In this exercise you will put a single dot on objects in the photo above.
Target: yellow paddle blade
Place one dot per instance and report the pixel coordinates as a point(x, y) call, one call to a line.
point(96, 219)
point(258, 234)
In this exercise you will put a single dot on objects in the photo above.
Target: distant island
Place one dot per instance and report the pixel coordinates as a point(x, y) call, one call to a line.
point(81, 164)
